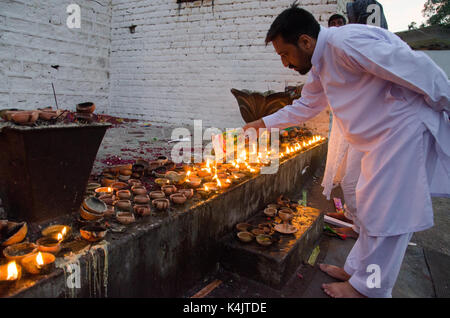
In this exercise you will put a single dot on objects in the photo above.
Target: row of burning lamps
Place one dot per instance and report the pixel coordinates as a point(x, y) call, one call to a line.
point(239, 167)
point(41, 262)
point(35, 263)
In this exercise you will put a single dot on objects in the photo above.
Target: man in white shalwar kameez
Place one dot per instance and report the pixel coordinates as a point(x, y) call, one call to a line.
point(392, 104)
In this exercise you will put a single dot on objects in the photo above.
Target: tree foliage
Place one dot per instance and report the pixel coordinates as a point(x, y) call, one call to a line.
point(437, 12)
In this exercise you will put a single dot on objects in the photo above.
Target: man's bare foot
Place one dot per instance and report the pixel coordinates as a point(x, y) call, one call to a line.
point(348, 231)
point(341, 290)
point(334, 271)
point(339, 216)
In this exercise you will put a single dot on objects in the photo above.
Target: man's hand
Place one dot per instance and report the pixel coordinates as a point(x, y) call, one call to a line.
point(257, 124)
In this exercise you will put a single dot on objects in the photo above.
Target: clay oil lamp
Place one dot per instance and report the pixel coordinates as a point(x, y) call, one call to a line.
point(125, 217)
point(57, 232)
point(194, 182)
point(125, 175)
point(18, 251)
point(107, 181)
point(94, 205)
point(237, 176)
point(10, 272)
point(142, 209)
point(109, 211)
point(91, 187)
point(162, 181)
point(49, 114)
point(257, 231)
point(134, 182)
point(87, 108)
point(203, 173)
point(40, 263)
point(162, 160)
point(117, 186)
point(270, 212)
point(160, 172)
point(169, 189)
point(205, 191)
point(188, 193)
point(161, 204)
point(264, 239)
point(15, 233)
point(93, 233)
point(225, 183)
point(175, 177)
point(104, 190)
point(48, 245)
point(170, 165)
point(141, 199)
point(123, 205)
point(243, 227)
point(25, 117)
point(107, 199)
point(157, 195)
point(245, 236)
point(137, 190)
point(124, 194)
point(152, 165)
point(211, 186)
point(90, 216)
point(178, 198)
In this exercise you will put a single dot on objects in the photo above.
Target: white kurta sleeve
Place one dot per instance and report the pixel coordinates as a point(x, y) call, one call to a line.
point(392, 59)
point(309, 105)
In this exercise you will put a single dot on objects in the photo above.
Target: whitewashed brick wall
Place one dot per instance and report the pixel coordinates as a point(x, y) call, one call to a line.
point(182, 60)
point(34, 36)
point(178, 65)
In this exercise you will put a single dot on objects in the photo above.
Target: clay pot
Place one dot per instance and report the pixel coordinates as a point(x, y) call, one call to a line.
point(141, 199)
point(178, 198)
point(89, 216)
point(202, 173)
point(107, 199)
point(125, 217)
point(48, 244)
point(124, 194)
point(25, 117)
point(162, 160)
point(160, 172)
point(137, 190)
point(15, 233)
point(257, 232)
point(30, 265)
point(52, 231)
point(285, 215)
point(134, 182)
point(152, 165)
point(93, 233)
point(86, 107)
point(49, 114)
point(271, 212)
point(264, 239)
point(94, 205)
point(124, 178)
point(107, 182)
point(212, 186)
point(142, 210)
point(110, 211)
point(162, 181)
point(123, 205)
point(93, 186)
point(169, 189)
point(170, 165)
point(18, 251)
point(161, 204)
point(243, 227)
point(157, 195)
point(194, 182)
point(117, 186)
point(245, 236)
point(188, 193)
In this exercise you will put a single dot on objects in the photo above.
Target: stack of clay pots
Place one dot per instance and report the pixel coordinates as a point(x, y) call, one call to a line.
point(85, 112)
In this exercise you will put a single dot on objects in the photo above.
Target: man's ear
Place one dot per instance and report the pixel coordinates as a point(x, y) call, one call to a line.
point(305, 42)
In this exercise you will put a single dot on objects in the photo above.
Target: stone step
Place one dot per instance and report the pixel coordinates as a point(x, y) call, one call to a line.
point(273, 265)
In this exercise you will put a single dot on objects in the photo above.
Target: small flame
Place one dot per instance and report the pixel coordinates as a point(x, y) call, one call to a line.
point(110, 189)
point(13, 273)
point(228, 181)
point(218, 183)
point(60, 237)
point(206, 188)
point(39, 260)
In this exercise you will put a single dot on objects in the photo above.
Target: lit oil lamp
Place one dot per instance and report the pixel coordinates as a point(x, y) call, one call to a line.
point(10, 272)
point(58, 232)
point(204, 192)
point(104, 190)
point(40, 263)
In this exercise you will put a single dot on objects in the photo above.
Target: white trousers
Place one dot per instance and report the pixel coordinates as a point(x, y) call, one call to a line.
point(348, 183)
point(374, 263)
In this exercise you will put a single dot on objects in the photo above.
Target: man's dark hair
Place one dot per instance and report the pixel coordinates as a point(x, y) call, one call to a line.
point(291, 23)
point(336, 16)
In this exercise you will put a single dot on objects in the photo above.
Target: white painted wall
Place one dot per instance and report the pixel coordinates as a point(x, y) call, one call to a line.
point(34, 36)
point(182, 61)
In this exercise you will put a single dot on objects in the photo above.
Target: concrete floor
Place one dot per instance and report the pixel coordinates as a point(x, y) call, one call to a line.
point(425, 271)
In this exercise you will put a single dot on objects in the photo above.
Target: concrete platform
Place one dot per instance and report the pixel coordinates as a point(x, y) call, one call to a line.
point(273, 265)
point(166, 254)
